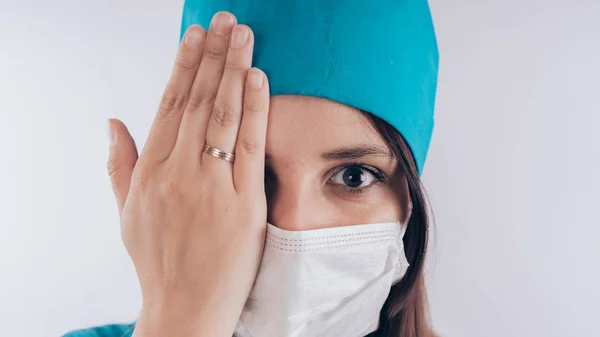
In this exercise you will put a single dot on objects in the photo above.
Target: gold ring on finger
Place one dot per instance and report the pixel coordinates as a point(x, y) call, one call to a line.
point(230, 157)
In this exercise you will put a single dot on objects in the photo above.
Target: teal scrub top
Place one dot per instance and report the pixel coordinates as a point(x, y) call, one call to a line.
point(114, 330)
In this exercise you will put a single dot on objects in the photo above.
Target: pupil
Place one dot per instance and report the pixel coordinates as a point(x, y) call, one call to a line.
point(353, 177)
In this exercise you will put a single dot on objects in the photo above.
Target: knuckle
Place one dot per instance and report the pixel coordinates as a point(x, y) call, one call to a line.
point(254, 108)
point(186, 62)
point(113, 166)
point(236, 64)
point(171, 103)
point(203, 95)
point(250, 147)
point(223, 114)
point(214, 53)
point(210, 97)
point(195, 102)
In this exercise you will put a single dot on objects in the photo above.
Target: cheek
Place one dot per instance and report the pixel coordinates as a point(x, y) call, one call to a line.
point(380, 204)
point(314, 208)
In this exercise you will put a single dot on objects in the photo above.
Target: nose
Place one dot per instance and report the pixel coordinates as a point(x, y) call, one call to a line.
point(298, 206)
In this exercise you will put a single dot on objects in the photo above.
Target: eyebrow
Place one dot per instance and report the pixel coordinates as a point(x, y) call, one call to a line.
point(356, 152)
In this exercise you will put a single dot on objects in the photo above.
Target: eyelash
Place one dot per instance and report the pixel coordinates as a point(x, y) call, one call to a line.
point(379, 176)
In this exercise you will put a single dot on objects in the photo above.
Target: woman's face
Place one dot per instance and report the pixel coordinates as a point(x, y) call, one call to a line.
point(326, 166)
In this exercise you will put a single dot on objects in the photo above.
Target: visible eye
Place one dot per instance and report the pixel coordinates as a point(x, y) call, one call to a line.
point(356, 177)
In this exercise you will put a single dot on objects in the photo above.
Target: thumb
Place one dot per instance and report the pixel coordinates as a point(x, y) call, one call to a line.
point(122, 158)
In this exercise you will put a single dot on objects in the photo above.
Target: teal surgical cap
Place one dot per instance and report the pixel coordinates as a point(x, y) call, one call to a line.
point(379, 56)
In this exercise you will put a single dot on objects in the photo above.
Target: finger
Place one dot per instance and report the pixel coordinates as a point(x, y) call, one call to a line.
point(122, 158)
point(165, 127)
point(192, 133)
point(249, 166)
point(226, 116)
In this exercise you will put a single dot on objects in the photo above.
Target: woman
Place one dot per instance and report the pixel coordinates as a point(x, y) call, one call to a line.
point(288, 206)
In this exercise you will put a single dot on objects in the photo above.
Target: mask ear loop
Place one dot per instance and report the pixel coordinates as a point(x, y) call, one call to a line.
point(402, 263)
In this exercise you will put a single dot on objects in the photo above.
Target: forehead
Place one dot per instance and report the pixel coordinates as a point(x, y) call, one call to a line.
point(309, 126)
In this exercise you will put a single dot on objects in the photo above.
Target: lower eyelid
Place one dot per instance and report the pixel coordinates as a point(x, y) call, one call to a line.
point(359, 191)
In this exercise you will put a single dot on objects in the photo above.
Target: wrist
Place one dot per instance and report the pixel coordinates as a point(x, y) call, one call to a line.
point(186, 320)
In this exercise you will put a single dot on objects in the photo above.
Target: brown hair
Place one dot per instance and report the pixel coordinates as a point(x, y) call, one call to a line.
point(404, 313)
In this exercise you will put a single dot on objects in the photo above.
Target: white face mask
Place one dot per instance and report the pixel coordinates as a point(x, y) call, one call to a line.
point(325, 282)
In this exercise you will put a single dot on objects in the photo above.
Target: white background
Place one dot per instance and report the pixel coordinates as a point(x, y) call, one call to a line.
point(512, 173)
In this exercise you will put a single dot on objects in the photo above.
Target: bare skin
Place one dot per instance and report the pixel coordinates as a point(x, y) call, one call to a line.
point(194, 225)
point(308, 191)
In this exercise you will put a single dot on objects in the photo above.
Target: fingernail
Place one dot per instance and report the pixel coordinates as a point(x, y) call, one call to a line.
point(110, 132)
point(255, 79)
point(193, 39)
point(239, 37)
point(222, 23)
